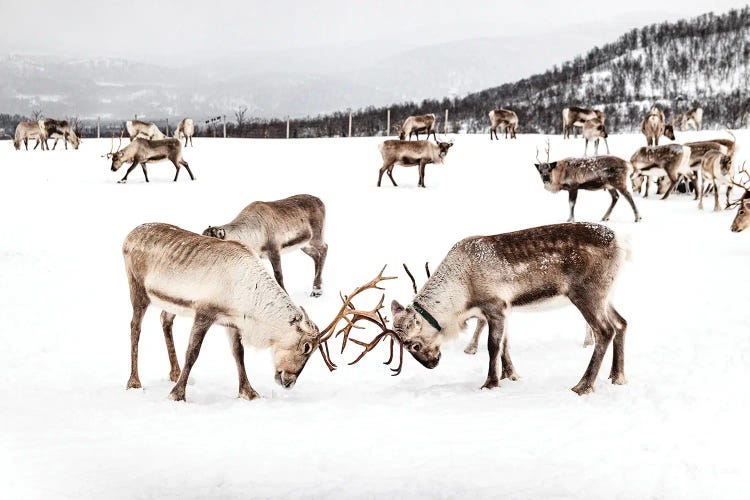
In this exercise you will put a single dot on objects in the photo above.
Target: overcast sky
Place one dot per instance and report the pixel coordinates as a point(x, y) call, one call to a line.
point(177, 32)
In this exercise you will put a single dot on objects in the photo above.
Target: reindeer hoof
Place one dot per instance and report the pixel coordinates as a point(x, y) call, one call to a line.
point(511, 375)
point(317, 292)
point(248, 394)
point(491, 384)
point(471, 349)
point(583, 388)
point(619, 379)
point(134, 383)
point(122, 181)
point(173, 376)
point(177, 395)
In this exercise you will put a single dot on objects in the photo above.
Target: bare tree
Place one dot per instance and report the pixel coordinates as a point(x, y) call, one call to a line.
point(239, 116)
point(36, 114)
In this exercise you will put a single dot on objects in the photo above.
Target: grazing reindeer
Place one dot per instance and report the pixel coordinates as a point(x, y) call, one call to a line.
point(671, 160)
point(487, 276)
point(416, 124)
point(186, 128)
point(145, 130)
point(506, 119)
point(692, 119)
point(653, 126)
point(575, 117)
point(698, 150)
point(217, 282)
point(272, 227)
point(592, 174)
point(742, 218)
point(409, 154)
point(592, 130)
point(61, 129)
point(716, 168)
point(142, 151)
point(30, 130)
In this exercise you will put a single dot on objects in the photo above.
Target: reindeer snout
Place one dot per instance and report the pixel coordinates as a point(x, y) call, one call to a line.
point(286, 379)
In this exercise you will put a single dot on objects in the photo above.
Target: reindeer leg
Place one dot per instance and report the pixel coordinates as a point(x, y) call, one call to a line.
point(617, 373)
point(130, 169)
point(572, 196)
point(238, 351)
point(491, 130)
point(717, 207)
point(382, 171)
point(595, 314)
point(702, 190)
point(629, 197)
point(187, 167)
point(140, 302)
point(673, 180)
point(145, 173)
point(317, 250)
point(177, 170)
point(167, 320)
point(422, 165)
point(509, 370)
point(191, 141)
point(202, 323)
point(729, 190)
point(496, 319)
point(615, 196)
point(390, 175)
point(606, 144)
point(275, 258)
point(54, 145)
point(471, 348)
point(586, 148)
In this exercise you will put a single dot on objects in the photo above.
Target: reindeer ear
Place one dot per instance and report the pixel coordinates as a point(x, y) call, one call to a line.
point(396, 308)
point(553, 164)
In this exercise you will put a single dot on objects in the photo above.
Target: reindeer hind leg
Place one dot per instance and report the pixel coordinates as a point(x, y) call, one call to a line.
point(167, 320)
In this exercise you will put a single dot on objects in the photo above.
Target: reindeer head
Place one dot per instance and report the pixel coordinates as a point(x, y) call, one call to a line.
point(545, 169)
point(444, 147)
point(669, 131)
point(292, 352)
point(742, 219)
point(116, 156)
point(418, 332)
point(215, 232)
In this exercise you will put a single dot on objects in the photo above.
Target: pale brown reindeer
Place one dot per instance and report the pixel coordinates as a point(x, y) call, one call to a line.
point(61, 129)
point(592, 174)
point(186, 129)
point(215, 282)
point(488, 276)
point(145, 130)
point(653, 126)
point(416, 124)
point(30, 130)
point(272, 227)
point(670, 160)
point(593, 130)
point(409, 154)
point(698, 150)
point(506, 119)
point(143, 151)
point(574, 116)
point(716, 168)
point(742, 218)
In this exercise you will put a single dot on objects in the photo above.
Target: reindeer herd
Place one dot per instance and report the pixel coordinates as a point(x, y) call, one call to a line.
point(216, 276)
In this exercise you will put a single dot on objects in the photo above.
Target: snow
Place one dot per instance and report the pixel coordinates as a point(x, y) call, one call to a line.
point(69, 429)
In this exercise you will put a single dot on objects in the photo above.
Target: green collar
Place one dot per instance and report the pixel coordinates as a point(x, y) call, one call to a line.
point(430, 319)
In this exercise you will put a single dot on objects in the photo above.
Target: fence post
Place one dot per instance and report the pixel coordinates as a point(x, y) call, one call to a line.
point(287, 127)
point(388, 124)
point(98, 127)
point(167, 127)
point(350, 123)
point(445, 125)
point(224, 119)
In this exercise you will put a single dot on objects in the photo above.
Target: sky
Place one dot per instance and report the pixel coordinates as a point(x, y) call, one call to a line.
point(183, 32)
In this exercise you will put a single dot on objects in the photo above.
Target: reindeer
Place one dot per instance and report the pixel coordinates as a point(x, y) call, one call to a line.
point(146, 130)
point(593, 130)
point(409, 154)
point(504, 118)
point(742, 218)
point(416, 124)
point(142, 151)
point(61, 129)
point(30, 130)
point(488, 276)
point(272, 227)
point(186, 128)
point(716, 168)
point(592, 174)
point(575, 117)
point(693, 118)
point(653, 126)
point(698, 150)
point(216, 282)
point(671, 160)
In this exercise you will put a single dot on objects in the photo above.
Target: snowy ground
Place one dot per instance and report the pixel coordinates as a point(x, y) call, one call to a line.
point(68, 428)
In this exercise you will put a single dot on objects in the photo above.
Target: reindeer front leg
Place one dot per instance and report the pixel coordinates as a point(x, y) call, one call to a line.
point(130, 169)
point(238, 351)
point(422, 165)
point(202, 323)
point(717, 207)
point(167, 320)
point(572, 196)
point(496, 319)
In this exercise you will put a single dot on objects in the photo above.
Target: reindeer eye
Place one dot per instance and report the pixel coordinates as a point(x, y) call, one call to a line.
point(306, 348)
point(416, 347)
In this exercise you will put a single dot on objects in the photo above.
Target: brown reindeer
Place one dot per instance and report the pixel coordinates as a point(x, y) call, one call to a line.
point(143, 151)
point(592, 174)
point(409, 154)
point(575, 117)
point(653, 126)
point(742, 218)
point(272, 227)
point(716, 168)
point(145, 130)
point(671, 160)
point(488, 276)
point(416, 124)
point(593, 130)
point(506, 119)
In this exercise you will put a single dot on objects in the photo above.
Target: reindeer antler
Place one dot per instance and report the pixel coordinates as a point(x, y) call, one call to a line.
point(351, 315)
point(546, 150)
point(745, 185)
point(112, 146)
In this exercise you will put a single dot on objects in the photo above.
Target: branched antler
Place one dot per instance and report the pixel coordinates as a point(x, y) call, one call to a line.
point(744, 185)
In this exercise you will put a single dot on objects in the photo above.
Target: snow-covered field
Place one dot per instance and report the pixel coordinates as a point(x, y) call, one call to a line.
point(69, 429)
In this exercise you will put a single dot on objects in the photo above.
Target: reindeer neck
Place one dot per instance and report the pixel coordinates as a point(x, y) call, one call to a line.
point(443, 298)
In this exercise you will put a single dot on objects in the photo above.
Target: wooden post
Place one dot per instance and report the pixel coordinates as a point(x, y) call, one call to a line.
point(224, 119)
point(98, 127)
point(287, 127)
point(388, 124)
point(167, 127)
point(350, 123)
point(445, 125)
